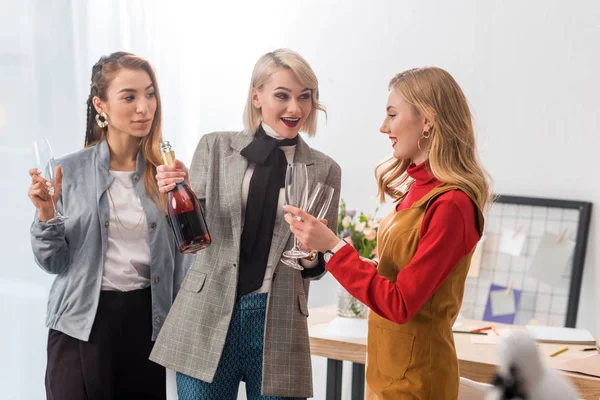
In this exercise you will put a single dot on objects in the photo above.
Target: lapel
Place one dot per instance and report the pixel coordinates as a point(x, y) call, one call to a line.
point(104, 179)
point(235, 166)
point(303, 155)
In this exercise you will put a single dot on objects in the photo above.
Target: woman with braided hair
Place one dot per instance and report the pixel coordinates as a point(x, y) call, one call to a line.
point(116, 265)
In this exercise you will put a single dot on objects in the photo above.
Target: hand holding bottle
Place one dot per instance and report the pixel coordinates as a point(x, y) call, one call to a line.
point(184, 211)
point(39, 192)
point(167, 176)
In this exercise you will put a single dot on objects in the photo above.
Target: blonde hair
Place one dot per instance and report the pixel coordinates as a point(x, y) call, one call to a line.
point(103, 73)
point(266, 66)
point(453, 159)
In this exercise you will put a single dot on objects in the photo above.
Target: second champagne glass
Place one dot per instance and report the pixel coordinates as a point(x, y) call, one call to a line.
point(318, 204)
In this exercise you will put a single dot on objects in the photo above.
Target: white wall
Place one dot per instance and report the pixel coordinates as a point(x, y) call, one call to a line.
point(527, 68)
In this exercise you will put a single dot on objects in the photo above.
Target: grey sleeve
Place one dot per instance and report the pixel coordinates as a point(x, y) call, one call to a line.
point(49, 245)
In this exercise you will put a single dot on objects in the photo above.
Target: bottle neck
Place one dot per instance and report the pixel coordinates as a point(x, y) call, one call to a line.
point(168, 158)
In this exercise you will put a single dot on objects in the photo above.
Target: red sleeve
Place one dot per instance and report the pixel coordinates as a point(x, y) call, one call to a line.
point(448, 233)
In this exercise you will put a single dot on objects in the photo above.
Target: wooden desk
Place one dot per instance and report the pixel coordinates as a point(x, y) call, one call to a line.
point(476, 361)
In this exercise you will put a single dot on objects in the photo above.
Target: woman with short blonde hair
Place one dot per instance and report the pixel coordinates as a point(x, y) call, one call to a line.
point(241, 313)
point(271, 63)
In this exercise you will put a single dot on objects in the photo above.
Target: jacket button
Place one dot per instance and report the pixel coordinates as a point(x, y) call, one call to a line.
point(153, 225)
point(106, 224)
point(159, 320)
point(136, 178)
point(156, 279)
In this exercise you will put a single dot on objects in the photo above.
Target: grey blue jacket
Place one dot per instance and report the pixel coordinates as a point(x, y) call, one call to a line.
point(76, 251)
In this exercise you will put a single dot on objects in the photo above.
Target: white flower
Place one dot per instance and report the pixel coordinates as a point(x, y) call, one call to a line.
point(360, 226)
point(346, 222)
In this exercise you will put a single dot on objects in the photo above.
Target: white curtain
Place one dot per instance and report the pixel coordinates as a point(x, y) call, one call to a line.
point(47, 49)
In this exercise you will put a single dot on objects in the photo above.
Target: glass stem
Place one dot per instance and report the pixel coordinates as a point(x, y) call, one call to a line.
point(51, 193)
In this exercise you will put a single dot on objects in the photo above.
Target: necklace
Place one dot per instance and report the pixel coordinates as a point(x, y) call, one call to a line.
point(117, 215)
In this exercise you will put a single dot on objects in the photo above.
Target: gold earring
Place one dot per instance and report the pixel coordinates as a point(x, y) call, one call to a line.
point(104, 122)
point(426, 135)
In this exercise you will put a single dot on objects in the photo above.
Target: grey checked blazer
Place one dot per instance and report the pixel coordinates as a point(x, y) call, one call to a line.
point(192, 338)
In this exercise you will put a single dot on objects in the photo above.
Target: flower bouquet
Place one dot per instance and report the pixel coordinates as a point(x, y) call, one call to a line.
point(360, 231)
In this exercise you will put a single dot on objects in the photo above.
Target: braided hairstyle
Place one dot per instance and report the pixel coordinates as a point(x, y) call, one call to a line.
point(103, 72)
point(98, 86)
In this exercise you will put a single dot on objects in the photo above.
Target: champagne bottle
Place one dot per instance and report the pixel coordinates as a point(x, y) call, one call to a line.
point(184, 211)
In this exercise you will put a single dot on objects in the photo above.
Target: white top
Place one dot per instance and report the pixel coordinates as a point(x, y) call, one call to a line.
point(289, 155)
point(127, 265)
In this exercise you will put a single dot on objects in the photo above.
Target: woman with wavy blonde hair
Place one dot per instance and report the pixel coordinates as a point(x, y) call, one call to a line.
point(424, 246)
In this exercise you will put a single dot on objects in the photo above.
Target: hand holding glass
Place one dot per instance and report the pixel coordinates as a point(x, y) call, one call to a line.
point(318, 204)
point(46, 164)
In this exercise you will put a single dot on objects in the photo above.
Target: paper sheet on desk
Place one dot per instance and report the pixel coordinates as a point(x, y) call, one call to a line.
point(490, 338)
point(589, 365)
point(555, 334)
point(348, 327)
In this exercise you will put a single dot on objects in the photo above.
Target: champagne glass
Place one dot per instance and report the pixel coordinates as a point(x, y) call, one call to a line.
point(45, 163)
point(318, 204)
point(296, 194)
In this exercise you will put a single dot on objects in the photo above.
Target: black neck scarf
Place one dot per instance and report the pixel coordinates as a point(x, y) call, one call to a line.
point(261, 207)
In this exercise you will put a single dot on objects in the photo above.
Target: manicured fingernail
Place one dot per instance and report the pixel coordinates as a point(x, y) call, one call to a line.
point(49, 184)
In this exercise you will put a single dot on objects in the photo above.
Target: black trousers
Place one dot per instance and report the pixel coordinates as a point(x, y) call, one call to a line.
point(114, 363)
